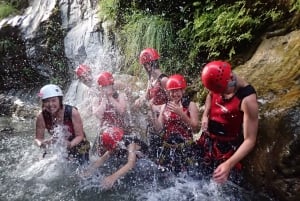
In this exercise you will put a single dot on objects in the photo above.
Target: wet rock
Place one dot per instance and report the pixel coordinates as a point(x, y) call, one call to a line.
point(274, 165)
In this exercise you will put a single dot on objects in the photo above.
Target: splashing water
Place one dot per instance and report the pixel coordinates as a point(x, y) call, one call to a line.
point(26, 175)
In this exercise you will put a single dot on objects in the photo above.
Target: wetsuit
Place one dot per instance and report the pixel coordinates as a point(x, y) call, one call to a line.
point(225, 129)
point(81, 150)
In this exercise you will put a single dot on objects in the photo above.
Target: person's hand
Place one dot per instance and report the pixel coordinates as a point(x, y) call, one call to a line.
point(173, 107)
point(221, 173)
point(108, 182)
point(204, 124)
point(43, 145)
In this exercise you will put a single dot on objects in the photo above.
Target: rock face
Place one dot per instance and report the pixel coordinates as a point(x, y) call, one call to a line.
point(274, 70)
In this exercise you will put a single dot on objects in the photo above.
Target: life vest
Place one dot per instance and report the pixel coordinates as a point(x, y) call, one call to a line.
point(174, 127)
point(112, 118)
point(225, 125)
point(157, 93)
point(67, 122)
point(81, 150)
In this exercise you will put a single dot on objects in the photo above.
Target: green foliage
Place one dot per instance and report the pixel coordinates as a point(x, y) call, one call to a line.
point(144, 31)
point(219, 29)
point(188, 33)
point(6, 9)
point(295, 5)
point(108, 9)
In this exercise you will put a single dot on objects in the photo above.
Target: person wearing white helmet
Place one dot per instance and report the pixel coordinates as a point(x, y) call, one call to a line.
point(54, 114)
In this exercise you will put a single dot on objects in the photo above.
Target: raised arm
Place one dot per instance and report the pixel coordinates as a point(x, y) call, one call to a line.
point(193, 119)
point(109, 181)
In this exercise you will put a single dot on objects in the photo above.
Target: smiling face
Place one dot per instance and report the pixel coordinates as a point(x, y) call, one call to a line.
point(86, 78)
point(52, 105)
point(176, 95)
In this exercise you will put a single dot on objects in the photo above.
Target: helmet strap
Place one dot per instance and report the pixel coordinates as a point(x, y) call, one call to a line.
point(233, 82)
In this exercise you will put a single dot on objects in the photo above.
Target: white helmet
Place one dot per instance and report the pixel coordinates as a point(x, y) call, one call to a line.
point(50, 90)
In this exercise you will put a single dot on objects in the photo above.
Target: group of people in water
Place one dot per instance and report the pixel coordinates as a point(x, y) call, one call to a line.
point(177, 140)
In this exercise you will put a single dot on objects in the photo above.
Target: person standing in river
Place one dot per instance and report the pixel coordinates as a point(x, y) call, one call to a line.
point(55, 115)
point(90, 91)
point(156, 88)
point(229, 122)
point(155, 95)
point(177, 121)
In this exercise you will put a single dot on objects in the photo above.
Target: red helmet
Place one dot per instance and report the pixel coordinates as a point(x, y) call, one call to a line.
point(216, 76)
point(105, 79)
point(82, 69)
point(110, 137)
point(147, 55)
point(176, 81)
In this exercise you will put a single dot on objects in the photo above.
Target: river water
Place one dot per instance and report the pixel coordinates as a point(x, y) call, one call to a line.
point(26, 175)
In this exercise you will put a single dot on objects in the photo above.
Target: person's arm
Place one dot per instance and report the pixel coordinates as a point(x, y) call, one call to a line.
point(109, 181)
point(207, 106)
point(163, 82)
point(40, 130)
point(193, 119)
point(158, 121)
point(250, 126)
point(98, 163)
point(99, 109)
point(145, 97)
point(78, 128)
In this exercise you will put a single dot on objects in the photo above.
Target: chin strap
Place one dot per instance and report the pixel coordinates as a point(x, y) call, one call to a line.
point(233, 82)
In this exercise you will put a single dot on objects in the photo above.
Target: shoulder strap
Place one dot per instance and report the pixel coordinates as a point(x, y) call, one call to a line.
point(47, 119)
point(245, 91)
point(68, 113)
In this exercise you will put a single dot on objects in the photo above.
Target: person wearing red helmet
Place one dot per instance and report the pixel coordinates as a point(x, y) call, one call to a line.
point(84, 74)
point(229, 121)
point(155, 92)
point(117, 144)
point(56, 115)
point(112, 104)
point(85, 91)
point(178, 119)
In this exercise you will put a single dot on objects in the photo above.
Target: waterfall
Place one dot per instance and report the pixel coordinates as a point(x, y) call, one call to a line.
point(86, 42)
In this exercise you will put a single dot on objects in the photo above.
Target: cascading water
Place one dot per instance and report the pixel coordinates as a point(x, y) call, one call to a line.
point(28, 173)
